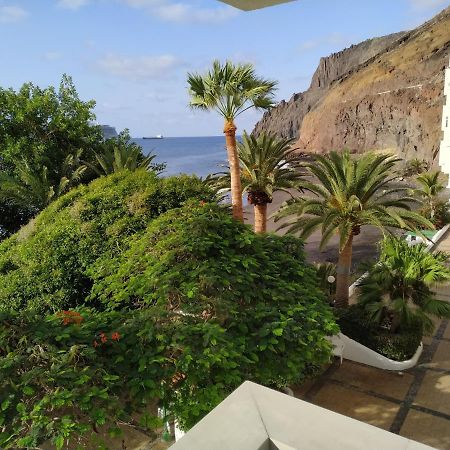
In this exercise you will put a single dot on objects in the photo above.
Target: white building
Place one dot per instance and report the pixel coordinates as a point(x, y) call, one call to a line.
point(444, 150)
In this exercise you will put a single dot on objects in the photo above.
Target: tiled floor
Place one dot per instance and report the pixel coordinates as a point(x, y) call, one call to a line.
point(414, 403)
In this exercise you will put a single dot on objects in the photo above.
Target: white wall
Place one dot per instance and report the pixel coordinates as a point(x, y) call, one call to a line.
point(444, 150)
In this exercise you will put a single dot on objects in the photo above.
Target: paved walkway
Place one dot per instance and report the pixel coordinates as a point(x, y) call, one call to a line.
point(414, 403)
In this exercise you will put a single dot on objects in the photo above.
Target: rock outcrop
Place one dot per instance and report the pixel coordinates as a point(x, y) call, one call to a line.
point(382, 94)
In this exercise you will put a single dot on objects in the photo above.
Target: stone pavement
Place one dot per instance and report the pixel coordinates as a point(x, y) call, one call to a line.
point(414, 403)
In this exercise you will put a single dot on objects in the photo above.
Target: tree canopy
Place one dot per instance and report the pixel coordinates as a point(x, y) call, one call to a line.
point(45, 266)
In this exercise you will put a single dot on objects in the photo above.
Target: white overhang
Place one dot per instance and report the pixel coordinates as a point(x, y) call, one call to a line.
point(249, 5)
point(254, 417)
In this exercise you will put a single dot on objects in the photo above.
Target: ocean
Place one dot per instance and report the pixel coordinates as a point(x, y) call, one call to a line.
point(192, 155)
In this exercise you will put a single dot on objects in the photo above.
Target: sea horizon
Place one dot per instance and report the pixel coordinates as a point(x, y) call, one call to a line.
point(197, 155)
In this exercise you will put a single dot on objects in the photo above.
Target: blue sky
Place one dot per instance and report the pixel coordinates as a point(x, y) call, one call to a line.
point(132, 56)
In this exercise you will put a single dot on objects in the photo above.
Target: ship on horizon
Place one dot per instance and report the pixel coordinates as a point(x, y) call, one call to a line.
point(158, 136)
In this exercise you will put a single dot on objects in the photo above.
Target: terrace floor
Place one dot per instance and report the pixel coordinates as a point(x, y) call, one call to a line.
point(414, 403)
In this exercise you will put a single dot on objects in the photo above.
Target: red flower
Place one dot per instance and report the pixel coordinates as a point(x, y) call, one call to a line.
point(69, 317)
point(115, 336)
point(103, 338)
point(95, 344)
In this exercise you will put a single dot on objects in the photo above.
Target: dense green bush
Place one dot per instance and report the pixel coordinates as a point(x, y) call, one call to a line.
point(195, 306)
point(201, 265)
point(68, 374)
point(45, 265)
point(355, 322)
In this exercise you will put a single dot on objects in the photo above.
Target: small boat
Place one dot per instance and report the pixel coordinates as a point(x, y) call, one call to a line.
point(158, 136)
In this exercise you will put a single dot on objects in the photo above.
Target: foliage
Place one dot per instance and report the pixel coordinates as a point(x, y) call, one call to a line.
point(268, 164)
point(44, 134)
point(32, 189)
point(45, 265)
point(41, 129)
point(119, 154)
point(350, 193)
point(415, 166)
point(399, 289)
point(355, 323)
point(44, 126)
point(230, 89)
point(205, 269)
point(197, 305)
point(430, 186)
point(441, 214)
point(74, 372)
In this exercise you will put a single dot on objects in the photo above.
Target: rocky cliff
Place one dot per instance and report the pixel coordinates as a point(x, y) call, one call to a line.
point(382, 94)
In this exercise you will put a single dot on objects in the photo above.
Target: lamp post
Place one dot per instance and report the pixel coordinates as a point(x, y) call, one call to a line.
point(331, 279)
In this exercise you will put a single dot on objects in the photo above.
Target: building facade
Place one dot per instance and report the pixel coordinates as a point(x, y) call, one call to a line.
point(444, 149)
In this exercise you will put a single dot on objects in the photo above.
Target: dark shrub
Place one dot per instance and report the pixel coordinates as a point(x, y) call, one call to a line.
point(356, 324)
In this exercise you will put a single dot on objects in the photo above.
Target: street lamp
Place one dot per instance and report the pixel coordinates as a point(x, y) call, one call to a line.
point(331, 280)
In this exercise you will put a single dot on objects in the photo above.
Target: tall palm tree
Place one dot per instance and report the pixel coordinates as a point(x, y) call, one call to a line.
point(429, 188)
point(268, 164)
point(230, 90)
point(399, 288)
point(351, 193)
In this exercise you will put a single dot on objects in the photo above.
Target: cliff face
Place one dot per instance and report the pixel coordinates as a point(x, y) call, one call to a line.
point(382, 94)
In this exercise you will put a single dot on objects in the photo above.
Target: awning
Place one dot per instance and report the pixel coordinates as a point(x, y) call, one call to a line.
point(248, 5)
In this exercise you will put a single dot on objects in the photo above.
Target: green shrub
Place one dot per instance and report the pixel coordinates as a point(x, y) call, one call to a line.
point(196, 305)
point(355, 322)
point(66, 375)
point(204, 267)
point(45, 265)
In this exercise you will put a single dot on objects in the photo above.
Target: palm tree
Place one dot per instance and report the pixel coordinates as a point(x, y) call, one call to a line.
point(351, 193)
point(430, 186)
point(399, 288)
point(415, 167)
point(122, 158)
point(231, 90)
point(33, 189)
point(267, 165)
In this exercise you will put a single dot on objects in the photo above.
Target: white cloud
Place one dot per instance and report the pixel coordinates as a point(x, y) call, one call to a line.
point(183, 12)
point(332, 39)
point(169, 10)
point(11, 14)
point(72, 4)
point(138, 68)
point(422, 5)
point(51, 56)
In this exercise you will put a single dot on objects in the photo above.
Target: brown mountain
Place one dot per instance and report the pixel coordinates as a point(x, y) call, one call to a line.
point(382, 94)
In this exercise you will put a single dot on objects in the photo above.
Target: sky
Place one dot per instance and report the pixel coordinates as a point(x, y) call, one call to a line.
point(132, 56)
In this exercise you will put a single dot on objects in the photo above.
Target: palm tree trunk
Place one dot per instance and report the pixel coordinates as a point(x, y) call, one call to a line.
point(236, 189)
point(343, 274)
point(261, 218)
